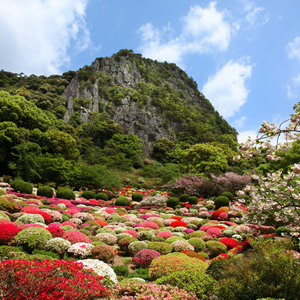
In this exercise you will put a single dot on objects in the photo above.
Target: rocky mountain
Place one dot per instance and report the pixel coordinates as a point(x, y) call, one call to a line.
point(150, 99)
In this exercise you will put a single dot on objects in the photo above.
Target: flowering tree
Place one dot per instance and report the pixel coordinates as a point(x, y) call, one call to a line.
point(275, 197)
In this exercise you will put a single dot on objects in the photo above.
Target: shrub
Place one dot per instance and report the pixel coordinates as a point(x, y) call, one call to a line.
point(172, 239)
point(7, 232)
point(46, 253)
point(107, 238)
point(184, 198)
point(81, 250)
point(121, 271)
point(55, 231)
point(200, 284)
point(124, 243)
point(193, 254)
point(4, 216)
point(4, 250)
point(172, 202)
point(88, 195)
point(58, 245)
point(221, 201)
point(31, 218)
point(140, 290)
point(138, 197)
point(23, 187)
point(228, 195)
point(196, 234)
point(161, 247)
point(268, 270)
point(101, 196)
point(33, 237)
point(174, 262)
point(42, 280)
point(179, 246)
point(122, 201)
point(198, 243)
point(136, 246)
point(45, 191)
point(65, 193)
point(193, 200)
point(144, 257)
point(178, 224)
point(229, 243)
point(146, 235)
point(214, 248)
point(75, 236)
point(8, 206)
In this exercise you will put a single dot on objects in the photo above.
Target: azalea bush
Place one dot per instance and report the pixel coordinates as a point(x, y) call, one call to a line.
point(49, 280)
point(144, 257)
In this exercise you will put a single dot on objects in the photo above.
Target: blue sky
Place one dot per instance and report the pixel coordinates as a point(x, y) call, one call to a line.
point(243, 54)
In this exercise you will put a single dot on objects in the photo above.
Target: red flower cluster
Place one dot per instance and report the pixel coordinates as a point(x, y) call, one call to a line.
point(229, 243)
point(76, 237)
point(7, 231)
point(193, 254)
point(55, 231)
point(49, 280)
point(178, 224)
point(46, 216)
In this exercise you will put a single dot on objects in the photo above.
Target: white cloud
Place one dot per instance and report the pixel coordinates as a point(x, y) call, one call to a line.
point(239, 123)
point(36, 34)
point(226, 89)
point(293, 52)
point(203, 30)
point(244, 135)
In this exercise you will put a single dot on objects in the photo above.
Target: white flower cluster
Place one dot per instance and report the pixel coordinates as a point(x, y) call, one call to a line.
point(81, 249)
point(156, 200)
point(101, 268)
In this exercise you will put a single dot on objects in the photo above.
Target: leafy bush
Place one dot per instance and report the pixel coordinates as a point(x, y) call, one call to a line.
point(8, 206)
point(193, 200)
point(42, 280)
point(88, 194)
point(75, 236)
point(136, 246)
point(174, 262)
point(101, 196)
point(33, 237)
point(200, 284)
point(172, 202)
point(161, 247)
point(121, 271)
point(45, 252)
point(7, 232)
point(23, 187)
point(122, 201)
point(214, 248)
point(268, 270)
point(45, 191)
point(228, 195)
point(65, 193)
point(4, 250)
point(198, 243)
point(125, 241)
point(138, 197)
point(104, 252)
point(184, 198)
point(221, 201)
point(58, 245)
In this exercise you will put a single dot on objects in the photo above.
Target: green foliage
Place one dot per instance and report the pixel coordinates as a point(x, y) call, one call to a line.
point(214, 248)
point(221, 201)
point(141, 273)
point(266, 271)
point(101, 196)
point(193, 200)
point(166, 151)
point(161, 247)
point(45, 191)
point(121, 271)
point(45, 252)
point(204, 158)
point(122, 201)
point(88, 194)
point(198, 243)
point(4, 250)
point(172, 202)
point(228, 195)
point(184, 198)
point(6, 205)
point(202, 285)
point(65, 193)
point(23, 187)
point(137, 197)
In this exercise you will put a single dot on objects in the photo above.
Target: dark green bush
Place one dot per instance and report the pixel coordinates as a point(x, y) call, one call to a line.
point(161, 247)
point(65, 193)
point(45, 191)
point(184, 198)
point(121, 271)
point(141, 273)
point(45, 252)
point(202, 285)
point(268, 270)
point(23, 187)
point(45, 202)
point(88, 195)
point(15, 182)
point(193, 200)
point(122, 201)
point(221, 201)
point(228, 195)
point(138, 197)
point(101, 196)
point(172, 202)
point(8, 206)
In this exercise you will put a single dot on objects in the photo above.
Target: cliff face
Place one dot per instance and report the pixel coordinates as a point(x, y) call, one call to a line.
point(150, 99)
